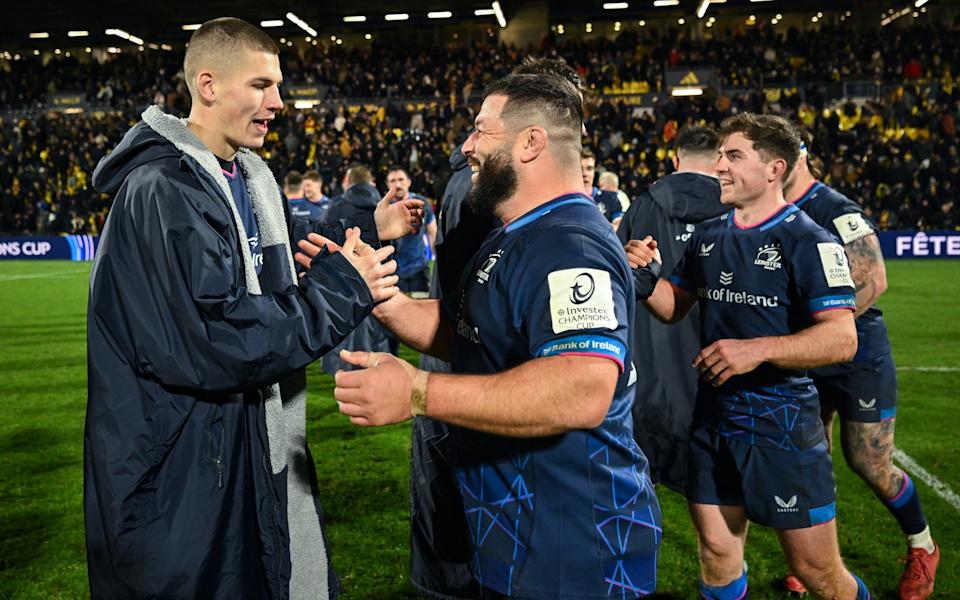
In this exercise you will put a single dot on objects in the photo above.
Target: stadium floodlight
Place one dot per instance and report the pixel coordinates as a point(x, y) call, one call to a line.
point(166, 47)
point(666, 2)
point(301, 24)
point(190, 27)
point(396, 17)
point(39, 35)
point(484, 12)
point(702, 9)
point(616, 5)
point(498, 10)
point(686, 91)
point(439, 14)
point(272, 23)
point(78, 33)
point(920, 3)
point(354, 19)
point(126, 36)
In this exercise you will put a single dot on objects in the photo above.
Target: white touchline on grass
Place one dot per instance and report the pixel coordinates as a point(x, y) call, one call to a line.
point(941, 489)
point(40, 275)
point(931, 369)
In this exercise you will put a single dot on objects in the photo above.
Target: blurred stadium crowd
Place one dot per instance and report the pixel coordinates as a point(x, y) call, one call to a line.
point(411, 105)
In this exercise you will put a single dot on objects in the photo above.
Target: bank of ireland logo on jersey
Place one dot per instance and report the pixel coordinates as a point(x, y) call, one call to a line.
point(483, 273)
point(786, 506)
point(581, 299)
point(834, 263)
point(770, 257)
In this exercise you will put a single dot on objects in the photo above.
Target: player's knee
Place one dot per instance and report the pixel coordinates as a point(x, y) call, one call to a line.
point(719, 549)
point(821, 581)
point(873, 465)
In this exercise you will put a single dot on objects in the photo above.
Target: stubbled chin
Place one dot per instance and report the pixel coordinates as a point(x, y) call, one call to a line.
point(473, 178)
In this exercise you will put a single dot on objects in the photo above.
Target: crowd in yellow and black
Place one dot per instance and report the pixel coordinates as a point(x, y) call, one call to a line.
point(894, 151)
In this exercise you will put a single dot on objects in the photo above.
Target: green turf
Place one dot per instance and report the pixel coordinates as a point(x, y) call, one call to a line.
point(363, 474)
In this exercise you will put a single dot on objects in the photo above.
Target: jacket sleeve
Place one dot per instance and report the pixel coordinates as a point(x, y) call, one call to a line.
point(336, 229)
point(170, 291)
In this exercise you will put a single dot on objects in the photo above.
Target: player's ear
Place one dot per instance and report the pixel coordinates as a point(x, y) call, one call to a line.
point(777, 170)
point(533, 142)
point(204, 86)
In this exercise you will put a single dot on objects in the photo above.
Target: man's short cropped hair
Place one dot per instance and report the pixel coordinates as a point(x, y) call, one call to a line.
point(313, 176)
point(545, 100)
point(293, 179)
point(358, 174)
point(220, 39)
point(395, 168)
point(696, 139)
point(772, 136)
point(535, 65)
point(587, 153)
point(609, 178)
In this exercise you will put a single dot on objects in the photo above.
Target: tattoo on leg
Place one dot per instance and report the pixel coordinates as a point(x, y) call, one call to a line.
point(868, 448)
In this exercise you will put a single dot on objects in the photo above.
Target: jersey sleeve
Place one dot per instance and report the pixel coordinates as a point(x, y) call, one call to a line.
point(575, 296)
point(847, 221)
point(687, 274)
point(821, 274)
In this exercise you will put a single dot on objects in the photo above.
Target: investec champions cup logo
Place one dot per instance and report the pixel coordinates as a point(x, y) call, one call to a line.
point(582, 288)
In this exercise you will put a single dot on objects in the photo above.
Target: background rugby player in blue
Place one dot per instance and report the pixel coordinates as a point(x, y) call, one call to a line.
point(864, 391)
point(776, 299)
point(556, 491)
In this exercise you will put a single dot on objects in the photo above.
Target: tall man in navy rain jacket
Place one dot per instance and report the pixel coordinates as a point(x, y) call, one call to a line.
point(776, 299)
point(670, 211)
point(197, 479)
point(555, 489)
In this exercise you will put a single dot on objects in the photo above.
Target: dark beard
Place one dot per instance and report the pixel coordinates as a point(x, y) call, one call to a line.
point(496, 181)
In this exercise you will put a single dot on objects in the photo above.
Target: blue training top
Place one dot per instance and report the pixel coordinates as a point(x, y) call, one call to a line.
point(571, 515)
point(764, 280)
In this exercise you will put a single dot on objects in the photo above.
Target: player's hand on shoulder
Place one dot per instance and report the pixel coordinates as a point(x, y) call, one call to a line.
point(641, 253)
point(723, 359)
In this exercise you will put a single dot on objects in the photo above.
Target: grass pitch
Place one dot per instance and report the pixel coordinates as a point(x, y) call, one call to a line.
point(363, 473)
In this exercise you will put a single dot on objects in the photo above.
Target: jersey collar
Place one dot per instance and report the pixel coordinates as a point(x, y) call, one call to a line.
point(536, 213)
point(767, 223)
point(811, 191)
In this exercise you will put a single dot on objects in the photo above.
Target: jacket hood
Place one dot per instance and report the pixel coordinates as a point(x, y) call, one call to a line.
point(688, 197)
point(362, 195)
point(457, 159)
point(140, 145)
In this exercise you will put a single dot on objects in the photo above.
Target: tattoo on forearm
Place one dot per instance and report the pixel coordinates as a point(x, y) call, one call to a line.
point(865, 259)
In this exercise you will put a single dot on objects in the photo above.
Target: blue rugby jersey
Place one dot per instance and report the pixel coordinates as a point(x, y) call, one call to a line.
point(608, 203)
point(412, 249)
point(238, 187)
point(765, 280)
point(846, 220)
point(305, 209)
point(571, 515)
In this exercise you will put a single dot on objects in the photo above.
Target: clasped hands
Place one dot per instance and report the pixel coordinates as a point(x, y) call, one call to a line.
point(379, 393)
